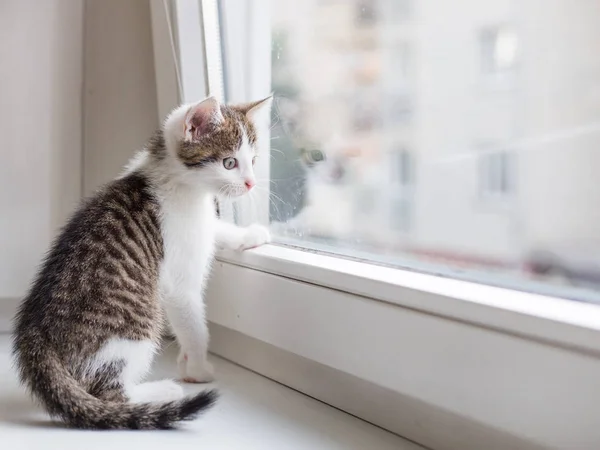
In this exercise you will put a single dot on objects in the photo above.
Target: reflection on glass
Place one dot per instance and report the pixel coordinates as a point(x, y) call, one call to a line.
point(455, 136)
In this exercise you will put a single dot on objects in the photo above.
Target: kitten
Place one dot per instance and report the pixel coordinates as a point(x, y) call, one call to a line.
point(339, 188)
point(86, 333)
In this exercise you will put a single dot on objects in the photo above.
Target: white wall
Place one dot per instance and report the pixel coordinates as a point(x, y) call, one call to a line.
point(56, 142)
point(40, 124)
point(120, 87)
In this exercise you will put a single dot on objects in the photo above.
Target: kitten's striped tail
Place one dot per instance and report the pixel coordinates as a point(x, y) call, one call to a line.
point(51, 382)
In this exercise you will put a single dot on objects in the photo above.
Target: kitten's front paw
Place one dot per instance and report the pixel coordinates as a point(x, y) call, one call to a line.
point(194, 370)
point(255, 236)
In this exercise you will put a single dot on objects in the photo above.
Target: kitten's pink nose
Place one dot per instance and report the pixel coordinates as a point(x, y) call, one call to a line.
point(249, 184)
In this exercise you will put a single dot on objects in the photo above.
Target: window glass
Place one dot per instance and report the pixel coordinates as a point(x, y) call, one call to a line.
point(381, 110)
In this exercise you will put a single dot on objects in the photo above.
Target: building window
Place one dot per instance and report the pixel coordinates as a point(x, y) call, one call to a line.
point(496, 173)
point(499, 49)
point(401, 189)
point(366, 12)
point(402, 168)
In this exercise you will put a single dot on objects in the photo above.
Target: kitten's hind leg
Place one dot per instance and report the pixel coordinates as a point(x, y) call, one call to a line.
point(136, 368)
point(119, 367)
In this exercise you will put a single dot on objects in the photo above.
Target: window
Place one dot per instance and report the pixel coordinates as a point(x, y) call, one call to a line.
point(402, 190)
point(416, 96)
point(497, 173)
point(366, 13)
point(499, 48)
point(402, 168)
point(383, 281)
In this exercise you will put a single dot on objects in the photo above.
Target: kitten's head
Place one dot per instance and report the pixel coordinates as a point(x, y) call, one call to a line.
point(334, 163)
point(215, 145)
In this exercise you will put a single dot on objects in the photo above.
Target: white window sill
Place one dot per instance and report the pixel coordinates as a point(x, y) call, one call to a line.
point(563, 322)
point(253, 413)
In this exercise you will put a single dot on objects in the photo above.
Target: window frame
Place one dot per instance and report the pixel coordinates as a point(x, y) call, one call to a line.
point(320, 324)
point(563, 322)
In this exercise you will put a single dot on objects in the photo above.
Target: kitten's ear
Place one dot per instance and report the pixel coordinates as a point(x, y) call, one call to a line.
point(259, 111)
point(203, 118)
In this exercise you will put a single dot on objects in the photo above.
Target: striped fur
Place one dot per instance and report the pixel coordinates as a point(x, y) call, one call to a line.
point(85, 333)
point(99, 280)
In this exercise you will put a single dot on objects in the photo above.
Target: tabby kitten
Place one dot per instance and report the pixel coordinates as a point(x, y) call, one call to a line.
point(86, 333)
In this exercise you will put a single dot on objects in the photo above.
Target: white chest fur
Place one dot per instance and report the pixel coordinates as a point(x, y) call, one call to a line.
point(188, 228)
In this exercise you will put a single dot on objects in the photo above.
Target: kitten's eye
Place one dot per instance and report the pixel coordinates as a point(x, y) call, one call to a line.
point(313, 156)
point(229, 163)
point(317, 155)
point(254, 160)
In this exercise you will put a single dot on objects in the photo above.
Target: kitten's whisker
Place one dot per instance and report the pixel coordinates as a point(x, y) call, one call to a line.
point(272, 194)
point(277, 150)
point(220, 190)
